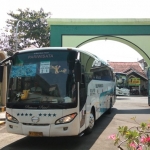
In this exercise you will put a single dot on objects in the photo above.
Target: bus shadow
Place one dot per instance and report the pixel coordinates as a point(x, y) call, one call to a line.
point(129, 97)
point(132, 111)
point(122, 98)
point(84, 142)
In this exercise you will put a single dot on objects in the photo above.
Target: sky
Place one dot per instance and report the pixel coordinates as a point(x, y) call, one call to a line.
point(88, 9)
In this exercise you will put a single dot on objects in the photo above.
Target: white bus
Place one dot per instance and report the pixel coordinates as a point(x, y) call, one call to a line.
point(57, 91)
point(121, 84)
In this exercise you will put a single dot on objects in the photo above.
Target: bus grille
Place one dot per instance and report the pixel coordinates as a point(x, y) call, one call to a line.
point(32, 124)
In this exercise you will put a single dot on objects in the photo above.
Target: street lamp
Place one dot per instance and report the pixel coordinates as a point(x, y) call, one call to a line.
point(17, 34)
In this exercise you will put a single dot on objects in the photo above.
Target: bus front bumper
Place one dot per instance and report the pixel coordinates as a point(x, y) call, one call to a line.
point(52, 130)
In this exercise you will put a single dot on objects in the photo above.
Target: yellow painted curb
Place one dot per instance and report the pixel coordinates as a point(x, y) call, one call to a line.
point(2, 109)
point(2, 122)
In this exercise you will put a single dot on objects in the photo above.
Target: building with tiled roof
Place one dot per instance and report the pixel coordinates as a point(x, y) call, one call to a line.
point(128, 68)
point(132, 70)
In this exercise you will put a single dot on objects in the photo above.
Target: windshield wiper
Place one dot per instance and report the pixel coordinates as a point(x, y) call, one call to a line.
point(61, 105)
point(20, 100)
point(33, 98)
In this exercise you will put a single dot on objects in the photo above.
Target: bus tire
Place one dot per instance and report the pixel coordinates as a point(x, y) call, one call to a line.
point(91, 123)
point(110, 106)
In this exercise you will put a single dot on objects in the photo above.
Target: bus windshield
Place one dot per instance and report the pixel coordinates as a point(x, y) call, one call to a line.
point(121, 80)
point(42, 80)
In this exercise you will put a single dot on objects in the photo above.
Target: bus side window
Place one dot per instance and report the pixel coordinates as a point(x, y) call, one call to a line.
point(106, 76)
point(97, 75)
point(111, 75)
point(82, 81)
point(114, 78)
point(93, 76)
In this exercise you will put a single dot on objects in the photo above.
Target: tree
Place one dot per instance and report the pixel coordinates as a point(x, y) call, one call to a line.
point(4, 41)
point(31, 27)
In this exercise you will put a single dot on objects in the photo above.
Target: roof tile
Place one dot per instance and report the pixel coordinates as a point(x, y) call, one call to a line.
point(126, 67)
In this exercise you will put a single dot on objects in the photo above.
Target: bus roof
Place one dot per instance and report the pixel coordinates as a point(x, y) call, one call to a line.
point(65, 48)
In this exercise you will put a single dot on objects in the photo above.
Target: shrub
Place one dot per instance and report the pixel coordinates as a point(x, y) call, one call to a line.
point(134, 138)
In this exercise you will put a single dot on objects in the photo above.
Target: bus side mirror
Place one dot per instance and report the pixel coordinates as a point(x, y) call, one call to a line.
point(1, 73)
point(77, 71)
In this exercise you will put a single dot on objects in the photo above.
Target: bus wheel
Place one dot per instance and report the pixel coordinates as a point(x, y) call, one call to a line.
point(110, 106)
point(91, 123)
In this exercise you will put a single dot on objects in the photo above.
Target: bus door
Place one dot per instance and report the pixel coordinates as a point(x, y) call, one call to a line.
point(82, 104)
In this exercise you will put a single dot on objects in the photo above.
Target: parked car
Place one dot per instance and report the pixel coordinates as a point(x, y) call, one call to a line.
point(122, 91)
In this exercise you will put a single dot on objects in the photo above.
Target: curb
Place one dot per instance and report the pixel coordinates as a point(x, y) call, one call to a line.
point(2, 108)
point(2, 119)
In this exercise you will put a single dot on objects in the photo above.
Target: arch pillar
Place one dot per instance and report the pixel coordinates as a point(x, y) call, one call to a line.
point(3, 84)
point(148, 74)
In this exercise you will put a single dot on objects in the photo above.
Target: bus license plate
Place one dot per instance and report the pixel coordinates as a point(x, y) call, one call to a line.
point(35, 134)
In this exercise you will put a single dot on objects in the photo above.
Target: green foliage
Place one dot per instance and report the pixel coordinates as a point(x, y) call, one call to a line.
point(4, 43)
point(135, 138)
point(123, 130)
point(30, 27)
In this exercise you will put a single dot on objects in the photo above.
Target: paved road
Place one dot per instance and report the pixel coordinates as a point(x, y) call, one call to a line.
point(123, 110)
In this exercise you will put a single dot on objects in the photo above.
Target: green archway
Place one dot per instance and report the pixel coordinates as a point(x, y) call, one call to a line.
point(123, 40)
point(76, 32)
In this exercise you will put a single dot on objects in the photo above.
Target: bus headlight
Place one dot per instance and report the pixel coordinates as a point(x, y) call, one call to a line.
point(66, 119)
point(11, 118)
